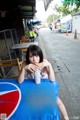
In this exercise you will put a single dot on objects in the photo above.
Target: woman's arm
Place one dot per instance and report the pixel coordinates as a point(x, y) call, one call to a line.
point(31, 67)
point(22, 73)
point(51, 73)
point(49, 68)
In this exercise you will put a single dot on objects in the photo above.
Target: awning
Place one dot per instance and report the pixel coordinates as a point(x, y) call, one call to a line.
point(46, 3)
point(27, 7)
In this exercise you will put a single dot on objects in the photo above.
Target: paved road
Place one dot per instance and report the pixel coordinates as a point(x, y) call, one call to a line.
point(64, 54)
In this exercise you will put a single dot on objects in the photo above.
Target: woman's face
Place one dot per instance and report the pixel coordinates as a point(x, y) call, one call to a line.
point(34, 59)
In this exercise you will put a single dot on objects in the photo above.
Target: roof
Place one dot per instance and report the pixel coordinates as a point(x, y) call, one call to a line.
point(27, 7)
point(74, 14)
point(66, 18)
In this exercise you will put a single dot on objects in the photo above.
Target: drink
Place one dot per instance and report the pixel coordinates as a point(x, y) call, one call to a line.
point(37, 76)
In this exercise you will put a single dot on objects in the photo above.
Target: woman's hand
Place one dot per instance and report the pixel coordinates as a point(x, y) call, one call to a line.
point(43, 64)
point(31, 67)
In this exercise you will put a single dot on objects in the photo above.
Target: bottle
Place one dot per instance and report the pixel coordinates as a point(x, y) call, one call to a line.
point(37, 76)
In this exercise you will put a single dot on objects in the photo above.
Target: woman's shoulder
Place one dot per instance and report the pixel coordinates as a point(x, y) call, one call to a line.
point(44, 60)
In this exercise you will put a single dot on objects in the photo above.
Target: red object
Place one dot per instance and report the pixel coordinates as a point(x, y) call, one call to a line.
point(67, 32)
point(9, 102)
point(75, 35)
point(55, 25)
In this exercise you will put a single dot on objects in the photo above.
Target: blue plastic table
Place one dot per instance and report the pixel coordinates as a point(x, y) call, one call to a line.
point(28, 101)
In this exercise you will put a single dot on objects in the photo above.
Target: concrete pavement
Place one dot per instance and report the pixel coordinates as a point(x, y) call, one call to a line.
point(71, 36)
point(64, 54)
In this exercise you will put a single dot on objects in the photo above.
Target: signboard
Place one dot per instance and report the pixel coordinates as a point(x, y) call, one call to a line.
point(28, 101)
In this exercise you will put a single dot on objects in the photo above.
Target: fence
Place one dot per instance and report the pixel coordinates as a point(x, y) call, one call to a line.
point(8, 38)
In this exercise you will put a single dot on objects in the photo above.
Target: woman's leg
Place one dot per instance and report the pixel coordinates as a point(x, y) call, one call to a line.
point(62, 109)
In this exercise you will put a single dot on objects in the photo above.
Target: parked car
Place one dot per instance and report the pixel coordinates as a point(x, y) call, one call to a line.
point(66, 26)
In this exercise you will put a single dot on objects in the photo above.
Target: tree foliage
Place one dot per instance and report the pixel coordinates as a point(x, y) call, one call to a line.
point(51, 17)
point(72, 2)
point(68, 7)
point(65, 9)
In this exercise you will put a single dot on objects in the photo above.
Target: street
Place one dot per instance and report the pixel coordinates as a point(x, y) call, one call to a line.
point(64, 54)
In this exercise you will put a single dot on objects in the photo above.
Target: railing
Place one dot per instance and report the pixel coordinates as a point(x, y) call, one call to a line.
point(8, 38)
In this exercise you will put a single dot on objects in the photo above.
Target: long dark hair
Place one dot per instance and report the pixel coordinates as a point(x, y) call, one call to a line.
point(34, 50)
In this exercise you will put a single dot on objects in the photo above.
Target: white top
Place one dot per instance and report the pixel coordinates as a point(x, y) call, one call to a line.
point(43, 74)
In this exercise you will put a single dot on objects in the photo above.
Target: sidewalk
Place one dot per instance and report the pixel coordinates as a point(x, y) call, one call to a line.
point(63, 52)
point(70, 36)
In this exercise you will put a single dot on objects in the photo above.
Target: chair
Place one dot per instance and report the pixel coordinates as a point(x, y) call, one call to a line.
point(24, 39)
point(0, 75)
point(19, 65)
point(6, 65)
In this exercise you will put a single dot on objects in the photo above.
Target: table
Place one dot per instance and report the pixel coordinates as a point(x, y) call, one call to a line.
point(21, 47)
point(28, 101)
point(24, 45)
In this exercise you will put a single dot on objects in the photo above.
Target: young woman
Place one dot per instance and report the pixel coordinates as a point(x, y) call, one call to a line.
point(34, 61)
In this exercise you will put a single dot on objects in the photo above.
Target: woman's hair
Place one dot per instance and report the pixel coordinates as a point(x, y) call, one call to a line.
point(34, 50)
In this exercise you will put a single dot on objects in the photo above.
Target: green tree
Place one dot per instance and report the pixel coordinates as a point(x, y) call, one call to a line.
point(51, 17)
point(72, 2)
point(64, 9)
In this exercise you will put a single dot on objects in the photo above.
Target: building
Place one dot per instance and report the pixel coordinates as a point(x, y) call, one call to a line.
point(13, 16)
point(12, 13)
point(76, 22)
point(66, 23)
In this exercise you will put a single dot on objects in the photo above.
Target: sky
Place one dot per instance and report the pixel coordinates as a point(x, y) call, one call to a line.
point(41, 13)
